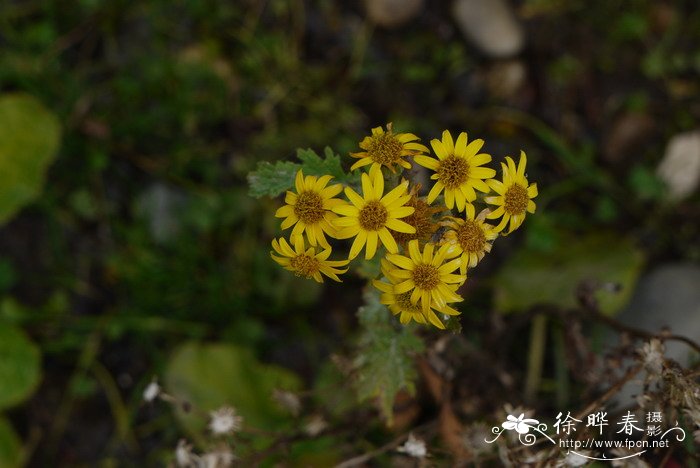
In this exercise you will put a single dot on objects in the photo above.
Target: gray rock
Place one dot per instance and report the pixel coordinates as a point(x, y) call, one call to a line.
point(680, 167)
point(160, 206)
point(491, 26)
point(392, 13)
point(668, 296)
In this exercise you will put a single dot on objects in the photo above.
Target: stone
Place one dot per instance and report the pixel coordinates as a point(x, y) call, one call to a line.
point(392, 13)
point(680, 166)
point(491, 25)
point(667, 298)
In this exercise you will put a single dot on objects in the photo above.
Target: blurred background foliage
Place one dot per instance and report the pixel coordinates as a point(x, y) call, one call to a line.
point(131, 247)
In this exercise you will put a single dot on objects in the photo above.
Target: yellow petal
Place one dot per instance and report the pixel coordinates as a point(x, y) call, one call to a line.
point(371, 245)
point(425, 161)
point(400, 226)
point(357, 244)
point(388, 240)
point(435, 191)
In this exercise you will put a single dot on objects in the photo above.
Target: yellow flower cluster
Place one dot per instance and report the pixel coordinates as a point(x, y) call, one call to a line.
point(420, 274)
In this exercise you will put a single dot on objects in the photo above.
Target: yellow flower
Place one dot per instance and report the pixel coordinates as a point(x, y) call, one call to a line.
point(309, 210)
point(472, 237)
point(427, 275)
point(514, 195)
point(400, 303)
point(457, 169)
point(387, 148)
point(306, 262)
point(421, 220)
point(370, 217)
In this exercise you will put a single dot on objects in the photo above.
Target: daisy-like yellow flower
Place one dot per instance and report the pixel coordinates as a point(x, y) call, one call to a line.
point(309, 210)
point(421, 220)
point(370, 217)
point(306, 262)
point(515, 196)
point(457, 169)
point(387, 149)
point(472, 237)
point(401, 305)
point(427, 275)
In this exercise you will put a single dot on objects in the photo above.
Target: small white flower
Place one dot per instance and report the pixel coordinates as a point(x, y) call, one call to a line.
point(573, 460)
point(222, 457)
point(287, 400)
point(520, 424)
point(184, 456)
point(315, 426)
point(152, 391)
point(652, 354)
point(225, 421)
point(414, 447)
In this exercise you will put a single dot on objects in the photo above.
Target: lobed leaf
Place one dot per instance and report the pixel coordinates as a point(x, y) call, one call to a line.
point(384, 364)
point(274, 179)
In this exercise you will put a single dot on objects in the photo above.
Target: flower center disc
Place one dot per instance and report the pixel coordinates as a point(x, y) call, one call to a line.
point(304, 265)
point(403, 300)
point(471, 237)
point(385, 149)
point(373, 216)
point(426, 277)
point(309, 207)
point(453, 171)
point(516, 200)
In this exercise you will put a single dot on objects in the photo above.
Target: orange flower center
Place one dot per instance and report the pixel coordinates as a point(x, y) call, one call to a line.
point(373, 216)
point(426, 277)
point(453, 171)
point(304, 265)
point(309, 207)
point(385, 149)
point(471, 237)
point(516, 200)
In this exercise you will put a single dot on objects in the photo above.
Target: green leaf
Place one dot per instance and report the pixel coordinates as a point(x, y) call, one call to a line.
point(314, 165)
point(29, 138)
point(10, 446)
point(19, 365)
point(213, 375)
point(385, 362)
point(530, 278)
point(272, 179)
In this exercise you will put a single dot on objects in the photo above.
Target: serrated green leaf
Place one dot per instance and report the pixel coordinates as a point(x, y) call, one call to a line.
point(272, 179)
point(19, 365)
point(385, 362)
point(313, 164)
point(29, 138)
point(531, 278)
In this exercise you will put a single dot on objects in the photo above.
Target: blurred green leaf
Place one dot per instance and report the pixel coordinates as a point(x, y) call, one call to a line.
point(645, 184)
point(7, 275)
point(29, 137)
point(530, 278)
point(10, 446)
point(19, 365)
point(384, 363)
point(213, 375)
